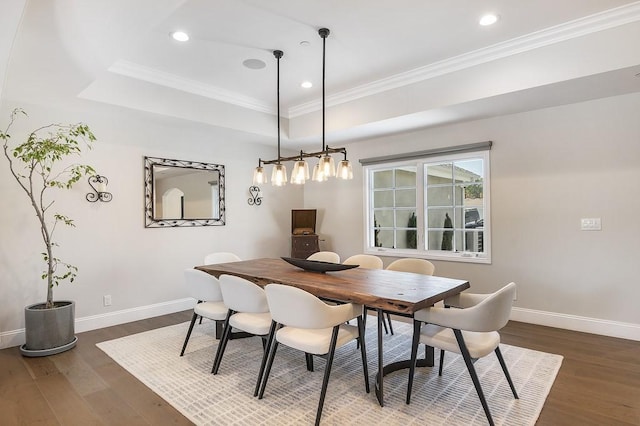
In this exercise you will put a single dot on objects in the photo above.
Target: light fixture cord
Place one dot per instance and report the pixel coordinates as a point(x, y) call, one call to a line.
point(278, 55)
point(323, 33)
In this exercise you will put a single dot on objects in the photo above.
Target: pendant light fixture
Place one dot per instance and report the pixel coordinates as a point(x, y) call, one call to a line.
point(325, 168)
point(279, 174)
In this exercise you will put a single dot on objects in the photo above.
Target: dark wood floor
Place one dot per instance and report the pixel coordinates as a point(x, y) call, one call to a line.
point(598, 383)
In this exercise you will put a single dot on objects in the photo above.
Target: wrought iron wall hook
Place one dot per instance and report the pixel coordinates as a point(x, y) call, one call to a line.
point(255, 199)
point(100, 189)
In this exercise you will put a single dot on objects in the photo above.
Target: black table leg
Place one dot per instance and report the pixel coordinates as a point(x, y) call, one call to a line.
point(379, 382)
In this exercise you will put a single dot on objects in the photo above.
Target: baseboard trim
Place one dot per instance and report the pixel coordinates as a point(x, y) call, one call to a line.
point(93, 322)
point(550, 319)
point(577, 323)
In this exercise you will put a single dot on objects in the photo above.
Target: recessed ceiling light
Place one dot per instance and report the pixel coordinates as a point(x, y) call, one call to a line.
point(488, 19)
point(306, 84)
point(304, 43)
point(254, 64)
point(180, 36)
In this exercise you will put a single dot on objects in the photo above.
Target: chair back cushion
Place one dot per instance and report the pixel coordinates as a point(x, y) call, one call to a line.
point(325, 256)
point(490, 314)
point(242, 295)
point(417, 266)
point(220, 257)
point(496, 309)
point(202, 286)
point(365, 261)
point(294, 307)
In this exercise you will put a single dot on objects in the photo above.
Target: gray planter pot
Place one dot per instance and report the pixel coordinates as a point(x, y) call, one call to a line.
point(49, 331)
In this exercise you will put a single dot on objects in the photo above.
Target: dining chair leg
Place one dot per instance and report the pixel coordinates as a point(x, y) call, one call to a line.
point(219, 329)
point(309, 358)
point(415, 341)
point(223, 343)
point(267, 371)
point(389, 321)
point(441, 362)
point(272, 333)
point(194, 317)
point(327, 372)
point(506, 372)
point(472, 372)
point(384, 324)
point(363, 353)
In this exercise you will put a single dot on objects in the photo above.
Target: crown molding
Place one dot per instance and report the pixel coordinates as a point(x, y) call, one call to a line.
point(569, 30)
point(151, 75)
point(573, 29)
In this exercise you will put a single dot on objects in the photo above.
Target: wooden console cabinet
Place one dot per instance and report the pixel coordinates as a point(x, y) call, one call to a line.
point(304, 240)
point(303, 246)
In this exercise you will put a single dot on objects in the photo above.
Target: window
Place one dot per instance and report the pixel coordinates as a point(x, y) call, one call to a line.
point(435, 207)
point(394, 207)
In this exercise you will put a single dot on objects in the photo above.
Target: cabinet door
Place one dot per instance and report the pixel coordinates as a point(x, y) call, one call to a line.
point(303, 246)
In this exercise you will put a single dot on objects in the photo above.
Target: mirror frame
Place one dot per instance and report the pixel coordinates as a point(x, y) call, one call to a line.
point(151, 221)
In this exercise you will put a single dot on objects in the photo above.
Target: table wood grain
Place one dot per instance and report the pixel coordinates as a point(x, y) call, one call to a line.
point(393, 291)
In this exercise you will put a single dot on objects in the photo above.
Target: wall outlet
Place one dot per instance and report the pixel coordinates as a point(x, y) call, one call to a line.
point(106, 300)
point(590, 224)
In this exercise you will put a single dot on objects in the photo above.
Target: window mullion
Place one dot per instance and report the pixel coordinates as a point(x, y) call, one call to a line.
point(420, 205)
point(447, 177)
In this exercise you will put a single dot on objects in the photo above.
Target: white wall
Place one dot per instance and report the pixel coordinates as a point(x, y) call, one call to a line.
point(549, 168)
point(140, 268)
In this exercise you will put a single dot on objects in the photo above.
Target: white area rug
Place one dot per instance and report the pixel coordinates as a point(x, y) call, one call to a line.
point(292, 392)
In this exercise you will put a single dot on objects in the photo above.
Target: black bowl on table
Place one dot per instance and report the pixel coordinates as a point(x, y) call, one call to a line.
point(317, 265)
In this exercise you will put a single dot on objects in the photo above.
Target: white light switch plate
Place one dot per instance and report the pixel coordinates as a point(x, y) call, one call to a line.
point(590, 224)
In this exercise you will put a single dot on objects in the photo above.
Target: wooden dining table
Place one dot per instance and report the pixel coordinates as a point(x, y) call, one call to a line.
point(401, 293)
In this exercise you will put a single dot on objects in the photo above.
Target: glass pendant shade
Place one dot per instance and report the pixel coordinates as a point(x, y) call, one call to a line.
point(328, 166)
point(259, 176)
point(318, 173)
point(300, 172)
point(279, 175)
point(345, 171)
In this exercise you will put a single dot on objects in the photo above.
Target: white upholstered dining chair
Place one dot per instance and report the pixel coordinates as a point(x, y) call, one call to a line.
point(325, 256)
point(469, 328)
point(220, 257)
point(414, 265)
point(205, 288)
point(417, 266)
point(314, 327)
point(370, 262)
point(365, 261)
point(248, 311)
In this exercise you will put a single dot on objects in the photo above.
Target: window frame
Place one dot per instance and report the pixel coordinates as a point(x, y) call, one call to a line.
point(421, 251)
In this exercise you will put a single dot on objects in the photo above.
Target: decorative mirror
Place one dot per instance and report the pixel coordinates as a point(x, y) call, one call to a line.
point(183, 193)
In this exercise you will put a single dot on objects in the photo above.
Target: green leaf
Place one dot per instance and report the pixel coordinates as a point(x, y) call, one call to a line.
point(40, 164)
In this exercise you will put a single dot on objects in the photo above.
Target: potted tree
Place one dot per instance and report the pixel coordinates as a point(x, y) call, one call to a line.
point(40, 166)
